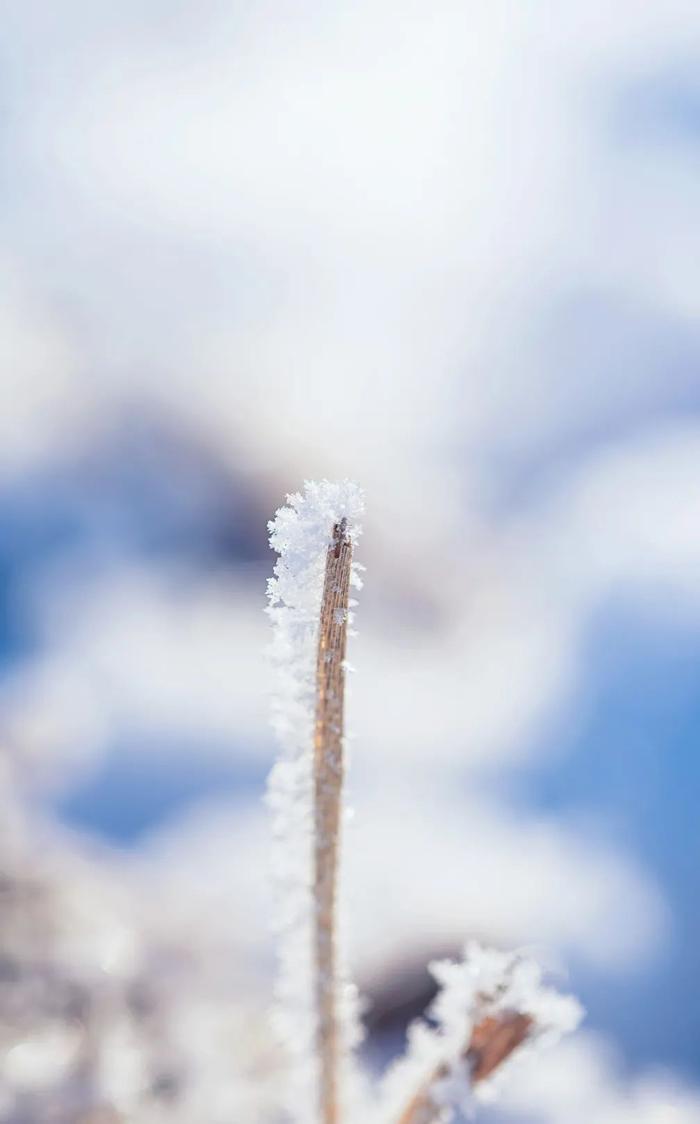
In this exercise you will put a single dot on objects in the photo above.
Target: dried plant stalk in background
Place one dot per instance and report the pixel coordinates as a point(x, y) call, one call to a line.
point(328, 784)
point(492, 1042)
point(490, 1005)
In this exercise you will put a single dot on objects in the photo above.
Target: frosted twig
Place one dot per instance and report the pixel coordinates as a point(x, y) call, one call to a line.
point(492, 1041)
point(316, 1011)
point(328, 783)
point(490, 1006)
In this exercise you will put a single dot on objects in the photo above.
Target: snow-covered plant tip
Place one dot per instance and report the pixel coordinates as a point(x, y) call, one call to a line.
point(490, 1005)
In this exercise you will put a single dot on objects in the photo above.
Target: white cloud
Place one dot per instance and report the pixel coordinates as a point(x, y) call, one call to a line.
point(626, 521)
point(42, 397)
point(424, 869)
point(327, 236)
point(583, 1080)
point(141, 654)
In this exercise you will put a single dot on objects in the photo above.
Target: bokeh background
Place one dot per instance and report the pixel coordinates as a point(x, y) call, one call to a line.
point(451, 250)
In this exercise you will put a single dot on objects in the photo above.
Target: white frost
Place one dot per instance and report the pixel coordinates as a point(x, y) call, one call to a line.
point(301, 533)
point(485, 982)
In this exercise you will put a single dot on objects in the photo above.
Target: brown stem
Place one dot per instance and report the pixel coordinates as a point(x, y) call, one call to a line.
point(328, 782)
point(492, 1041)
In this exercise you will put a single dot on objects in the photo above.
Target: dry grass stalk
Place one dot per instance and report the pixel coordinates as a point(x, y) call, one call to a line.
point(328, 784)
point(307, 533)
point(492, 1041)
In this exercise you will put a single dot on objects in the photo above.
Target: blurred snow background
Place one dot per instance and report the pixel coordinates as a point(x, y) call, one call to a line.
point(453, 251)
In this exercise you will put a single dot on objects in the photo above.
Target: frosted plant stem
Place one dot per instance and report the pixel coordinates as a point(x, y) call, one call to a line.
point(492, 1041)
point(328, 784)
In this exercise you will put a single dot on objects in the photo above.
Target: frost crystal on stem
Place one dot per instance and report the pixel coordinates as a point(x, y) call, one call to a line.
point(490, 1005)
point(309, 604)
